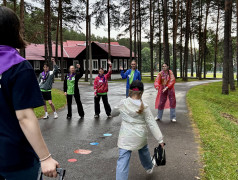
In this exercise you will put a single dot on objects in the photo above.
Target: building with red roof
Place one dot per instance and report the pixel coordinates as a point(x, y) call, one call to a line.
point(74, 52)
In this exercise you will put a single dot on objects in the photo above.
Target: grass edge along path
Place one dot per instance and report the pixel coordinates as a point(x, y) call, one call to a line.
point(216, 119)
point(59, 100)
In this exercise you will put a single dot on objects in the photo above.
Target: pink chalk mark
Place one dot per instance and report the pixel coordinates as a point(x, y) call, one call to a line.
point(82, 151)
point(72, 160)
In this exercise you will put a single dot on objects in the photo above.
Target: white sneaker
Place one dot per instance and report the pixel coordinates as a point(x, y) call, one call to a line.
point(55, 115)
point(46, 116)
point(174, 120)
point(157, 119)
point(150, 171)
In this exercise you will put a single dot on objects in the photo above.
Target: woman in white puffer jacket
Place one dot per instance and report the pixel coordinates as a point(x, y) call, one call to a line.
point(136, 116)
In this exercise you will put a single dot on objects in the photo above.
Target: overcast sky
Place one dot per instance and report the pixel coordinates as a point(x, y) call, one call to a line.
point(102, 31)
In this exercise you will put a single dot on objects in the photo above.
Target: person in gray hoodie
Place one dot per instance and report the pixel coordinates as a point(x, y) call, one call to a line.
point(45, 80)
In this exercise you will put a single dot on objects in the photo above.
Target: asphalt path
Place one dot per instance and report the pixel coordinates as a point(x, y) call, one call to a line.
point(64, 136)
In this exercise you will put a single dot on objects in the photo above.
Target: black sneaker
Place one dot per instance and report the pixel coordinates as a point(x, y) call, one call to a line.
point(69, 117)
point(96, 116)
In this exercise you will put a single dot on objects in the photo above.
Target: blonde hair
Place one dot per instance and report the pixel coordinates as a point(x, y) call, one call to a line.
point(139, 95)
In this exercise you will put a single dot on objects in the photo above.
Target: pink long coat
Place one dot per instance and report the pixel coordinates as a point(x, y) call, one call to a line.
point(165, 80)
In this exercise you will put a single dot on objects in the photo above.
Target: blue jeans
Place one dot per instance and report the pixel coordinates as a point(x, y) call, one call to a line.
point(172, 114)
point(31, 173)
point(124, 160)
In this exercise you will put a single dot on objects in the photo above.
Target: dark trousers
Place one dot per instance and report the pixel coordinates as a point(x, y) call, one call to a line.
point(78, 102)
point(105, 102)
point(31, 173)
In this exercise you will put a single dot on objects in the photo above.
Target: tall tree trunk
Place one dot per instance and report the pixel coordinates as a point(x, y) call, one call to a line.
point(87, 48)
point(151, 42)
point(166, 36)
point(225, 82)
point(15, 6)
point(216, 41)
point(4, 2)
point(57, 36)
point(130, 30)
point(46, 30)
point(231, 66)
point(135, 30)
point(175, 27)
point(191, 49)
point(181, 40)
point(49, 33)
point(138, 32)
point(61, 41)
point(109, 29)
point(139, 42)
point(237, 41)
point(187, 31)
point(22, 12)
point(200, 42)
point(205, 39)
point(160, 45)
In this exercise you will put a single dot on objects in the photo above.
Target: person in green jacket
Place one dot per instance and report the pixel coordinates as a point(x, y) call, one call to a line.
point(71, 89)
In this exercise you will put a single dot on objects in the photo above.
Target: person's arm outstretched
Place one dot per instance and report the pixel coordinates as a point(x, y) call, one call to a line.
point(109, 70)
point(152, 124)
point(30, 127)
point(116, 110)
point(55, 67)
point(124, 75)
point(80, 71)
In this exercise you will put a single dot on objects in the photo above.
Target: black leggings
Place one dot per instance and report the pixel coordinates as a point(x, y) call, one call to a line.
point(105, 102)
point(78, 102)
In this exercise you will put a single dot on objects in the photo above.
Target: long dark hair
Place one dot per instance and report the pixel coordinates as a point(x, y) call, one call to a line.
point(10, 29)
point(137, 89)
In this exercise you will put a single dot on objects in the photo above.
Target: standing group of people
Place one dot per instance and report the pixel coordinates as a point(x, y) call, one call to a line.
point(23, 152)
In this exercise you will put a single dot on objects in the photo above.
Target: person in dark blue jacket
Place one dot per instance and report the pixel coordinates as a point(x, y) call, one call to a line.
point(131, 75)
point(23, 152)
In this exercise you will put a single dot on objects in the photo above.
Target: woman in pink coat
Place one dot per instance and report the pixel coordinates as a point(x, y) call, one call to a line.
point(164, 83)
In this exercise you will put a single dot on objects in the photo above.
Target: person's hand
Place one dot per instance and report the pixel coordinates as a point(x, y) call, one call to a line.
point(164, 89)
point(53, 59)
point(78, 65)
point(121, 68)
point(48, 167)
point(109, 62)
point(157, 88)
point(65, 93)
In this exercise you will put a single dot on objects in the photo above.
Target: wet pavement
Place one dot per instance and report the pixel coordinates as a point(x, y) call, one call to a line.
point(64, 136)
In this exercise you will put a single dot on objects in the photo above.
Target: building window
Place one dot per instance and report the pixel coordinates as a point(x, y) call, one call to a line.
point(125, 63)
point(36, 65)
point(75, 62)
point(104, 64)
point(95, 64)
point(121, 63)
point(115, 64)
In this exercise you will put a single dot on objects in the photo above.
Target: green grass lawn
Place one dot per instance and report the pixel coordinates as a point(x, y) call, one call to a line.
point(59, 100)
point(216, 118)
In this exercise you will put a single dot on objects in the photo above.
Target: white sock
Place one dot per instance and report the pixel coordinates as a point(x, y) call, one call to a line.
point(46, 113)
point(55, 112)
